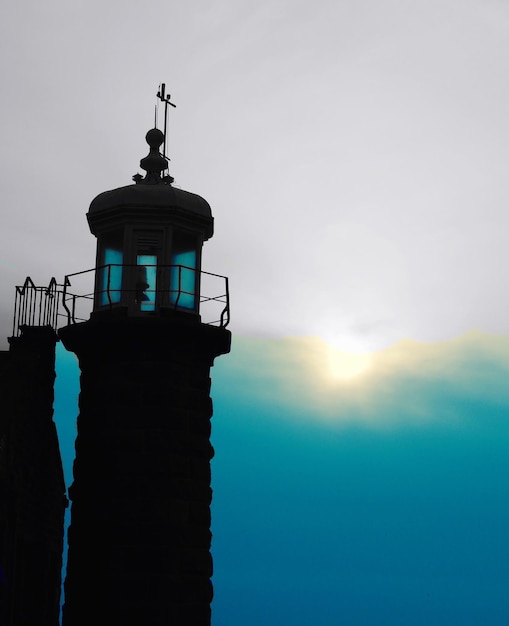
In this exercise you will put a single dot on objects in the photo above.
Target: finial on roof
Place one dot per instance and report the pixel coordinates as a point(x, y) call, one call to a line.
point(154, 163)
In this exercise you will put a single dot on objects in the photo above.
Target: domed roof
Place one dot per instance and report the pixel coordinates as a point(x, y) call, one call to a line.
point(151, 198)
point(161, 196)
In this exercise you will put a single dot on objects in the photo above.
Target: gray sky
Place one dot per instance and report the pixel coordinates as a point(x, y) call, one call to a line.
point(355, 154)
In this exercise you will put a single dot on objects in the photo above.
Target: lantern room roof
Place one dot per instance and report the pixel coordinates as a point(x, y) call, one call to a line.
point(151, 197)
point(161, 196)
point(146, 204)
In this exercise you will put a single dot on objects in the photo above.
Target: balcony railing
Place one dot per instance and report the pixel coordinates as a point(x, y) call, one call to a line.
point(174, 286)
point(58, 305)
point(36, 306)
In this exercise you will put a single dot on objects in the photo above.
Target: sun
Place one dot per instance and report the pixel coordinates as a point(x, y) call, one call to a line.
point(345, 356)
point(347, 365)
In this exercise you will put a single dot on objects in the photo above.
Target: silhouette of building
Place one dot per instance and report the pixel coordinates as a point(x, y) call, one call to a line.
point(32, 489)
point(139, 539)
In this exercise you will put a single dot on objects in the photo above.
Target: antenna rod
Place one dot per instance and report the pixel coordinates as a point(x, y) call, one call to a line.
point(161, 94)
point(165, 122)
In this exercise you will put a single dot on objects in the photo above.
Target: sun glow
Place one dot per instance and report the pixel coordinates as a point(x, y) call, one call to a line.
point(347, 365)
point(346, 356)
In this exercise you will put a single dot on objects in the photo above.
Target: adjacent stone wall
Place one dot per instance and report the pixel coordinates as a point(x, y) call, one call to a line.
point(32, 489)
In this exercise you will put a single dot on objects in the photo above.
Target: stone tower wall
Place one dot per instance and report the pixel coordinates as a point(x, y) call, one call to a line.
point(139, 541)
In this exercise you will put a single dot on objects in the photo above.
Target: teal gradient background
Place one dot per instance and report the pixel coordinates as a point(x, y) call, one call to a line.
point(379, 500)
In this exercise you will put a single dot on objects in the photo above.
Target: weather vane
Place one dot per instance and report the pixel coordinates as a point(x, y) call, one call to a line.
point(166, 99)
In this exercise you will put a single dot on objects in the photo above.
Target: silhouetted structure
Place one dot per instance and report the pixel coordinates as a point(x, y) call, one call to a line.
point(32, 489)
point(139, 540)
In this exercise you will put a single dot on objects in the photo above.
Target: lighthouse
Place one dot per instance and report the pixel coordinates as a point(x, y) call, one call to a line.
point(139, 538)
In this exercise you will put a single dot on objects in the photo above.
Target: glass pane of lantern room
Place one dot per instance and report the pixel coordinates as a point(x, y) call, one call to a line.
point(146, 276)
point(183, 271)
point(111, 278)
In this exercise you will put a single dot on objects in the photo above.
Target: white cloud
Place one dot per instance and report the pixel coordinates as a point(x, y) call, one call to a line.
point(354, 154)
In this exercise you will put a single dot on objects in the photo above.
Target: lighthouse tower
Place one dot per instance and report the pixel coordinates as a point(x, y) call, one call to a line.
point(139, 539)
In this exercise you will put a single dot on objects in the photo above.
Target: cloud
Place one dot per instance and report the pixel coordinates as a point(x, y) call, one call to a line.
point(355, 156)
point(406, 385)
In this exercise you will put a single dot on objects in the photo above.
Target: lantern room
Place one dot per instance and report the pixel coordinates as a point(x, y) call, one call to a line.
point(149, 242)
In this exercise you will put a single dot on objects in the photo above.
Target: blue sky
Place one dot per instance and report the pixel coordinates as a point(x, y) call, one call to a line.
point(360, 502)
point(392, 514)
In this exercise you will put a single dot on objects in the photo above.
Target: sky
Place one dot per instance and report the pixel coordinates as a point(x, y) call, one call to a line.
point(354, 155)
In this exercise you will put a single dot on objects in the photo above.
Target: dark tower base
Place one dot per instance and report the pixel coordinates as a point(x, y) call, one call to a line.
point(139, 541)
point(32, 488)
